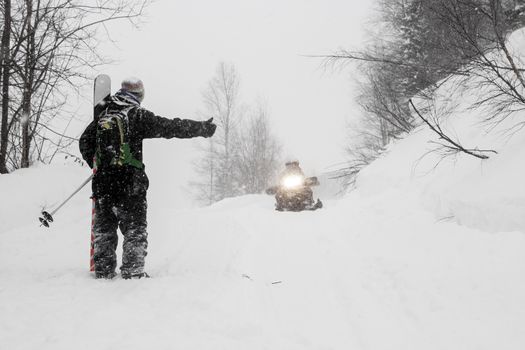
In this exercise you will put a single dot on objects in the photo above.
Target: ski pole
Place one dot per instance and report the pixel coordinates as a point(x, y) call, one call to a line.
point(48, 217)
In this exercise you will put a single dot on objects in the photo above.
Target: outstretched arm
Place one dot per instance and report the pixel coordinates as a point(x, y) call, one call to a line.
point(154, 126)
point(87, 143)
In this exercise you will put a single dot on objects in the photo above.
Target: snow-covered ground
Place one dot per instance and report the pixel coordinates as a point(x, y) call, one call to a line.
point(378, 269)
point(416, 257)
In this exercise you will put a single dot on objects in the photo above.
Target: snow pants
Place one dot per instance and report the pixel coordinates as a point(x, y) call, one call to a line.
point(127, 212)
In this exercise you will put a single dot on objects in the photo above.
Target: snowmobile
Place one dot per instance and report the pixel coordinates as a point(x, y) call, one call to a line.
point(294, 193)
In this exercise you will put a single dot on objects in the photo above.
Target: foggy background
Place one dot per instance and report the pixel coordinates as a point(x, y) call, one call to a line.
point(179, 44)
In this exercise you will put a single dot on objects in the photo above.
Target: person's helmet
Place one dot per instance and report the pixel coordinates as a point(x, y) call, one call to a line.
point(134, 86)
point(293, 163)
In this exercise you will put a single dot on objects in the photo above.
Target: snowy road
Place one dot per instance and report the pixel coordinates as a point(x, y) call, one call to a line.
point(359, 274)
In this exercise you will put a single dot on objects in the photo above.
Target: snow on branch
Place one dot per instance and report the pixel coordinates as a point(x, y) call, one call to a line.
point(451, 145)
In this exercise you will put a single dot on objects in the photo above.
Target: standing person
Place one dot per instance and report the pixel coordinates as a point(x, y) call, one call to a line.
point(112, 145)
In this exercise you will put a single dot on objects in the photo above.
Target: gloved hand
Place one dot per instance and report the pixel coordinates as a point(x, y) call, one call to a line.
point(208, 128)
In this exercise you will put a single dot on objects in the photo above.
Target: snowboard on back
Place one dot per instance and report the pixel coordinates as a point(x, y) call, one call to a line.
point(101, 95)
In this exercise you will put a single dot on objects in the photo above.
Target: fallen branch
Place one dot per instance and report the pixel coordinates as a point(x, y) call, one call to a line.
point(456, 146)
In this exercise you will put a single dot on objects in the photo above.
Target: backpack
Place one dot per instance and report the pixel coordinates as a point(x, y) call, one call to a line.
point(112, 140)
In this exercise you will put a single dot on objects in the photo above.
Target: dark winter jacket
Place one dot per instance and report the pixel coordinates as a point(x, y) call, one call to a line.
point(143, 124)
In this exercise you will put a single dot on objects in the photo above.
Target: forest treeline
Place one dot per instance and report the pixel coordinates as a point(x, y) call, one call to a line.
point(417, 44)
point(48, 48)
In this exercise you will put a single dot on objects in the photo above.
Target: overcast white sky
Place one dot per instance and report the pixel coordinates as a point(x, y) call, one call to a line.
point(177, 49)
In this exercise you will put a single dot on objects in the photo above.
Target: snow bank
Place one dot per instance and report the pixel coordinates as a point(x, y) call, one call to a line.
point(27, 191)
point(484, 194)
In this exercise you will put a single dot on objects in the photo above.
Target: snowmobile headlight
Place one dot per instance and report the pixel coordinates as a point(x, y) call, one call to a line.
point(293, 181)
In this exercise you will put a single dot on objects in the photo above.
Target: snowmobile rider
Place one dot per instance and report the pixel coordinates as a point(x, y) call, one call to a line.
point(120, 182)
point(293, 171)
point(293, 179)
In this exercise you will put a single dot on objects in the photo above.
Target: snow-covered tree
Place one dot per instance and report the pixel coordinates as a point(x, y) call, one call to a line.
point(241, 157)
point(257, 156)
point(48, 47)
point(422, 42)
point(221, 100)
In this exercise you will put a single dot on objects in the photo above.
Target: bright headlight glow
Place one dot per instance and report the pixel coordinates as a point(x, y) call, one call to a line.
point(293, 181)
